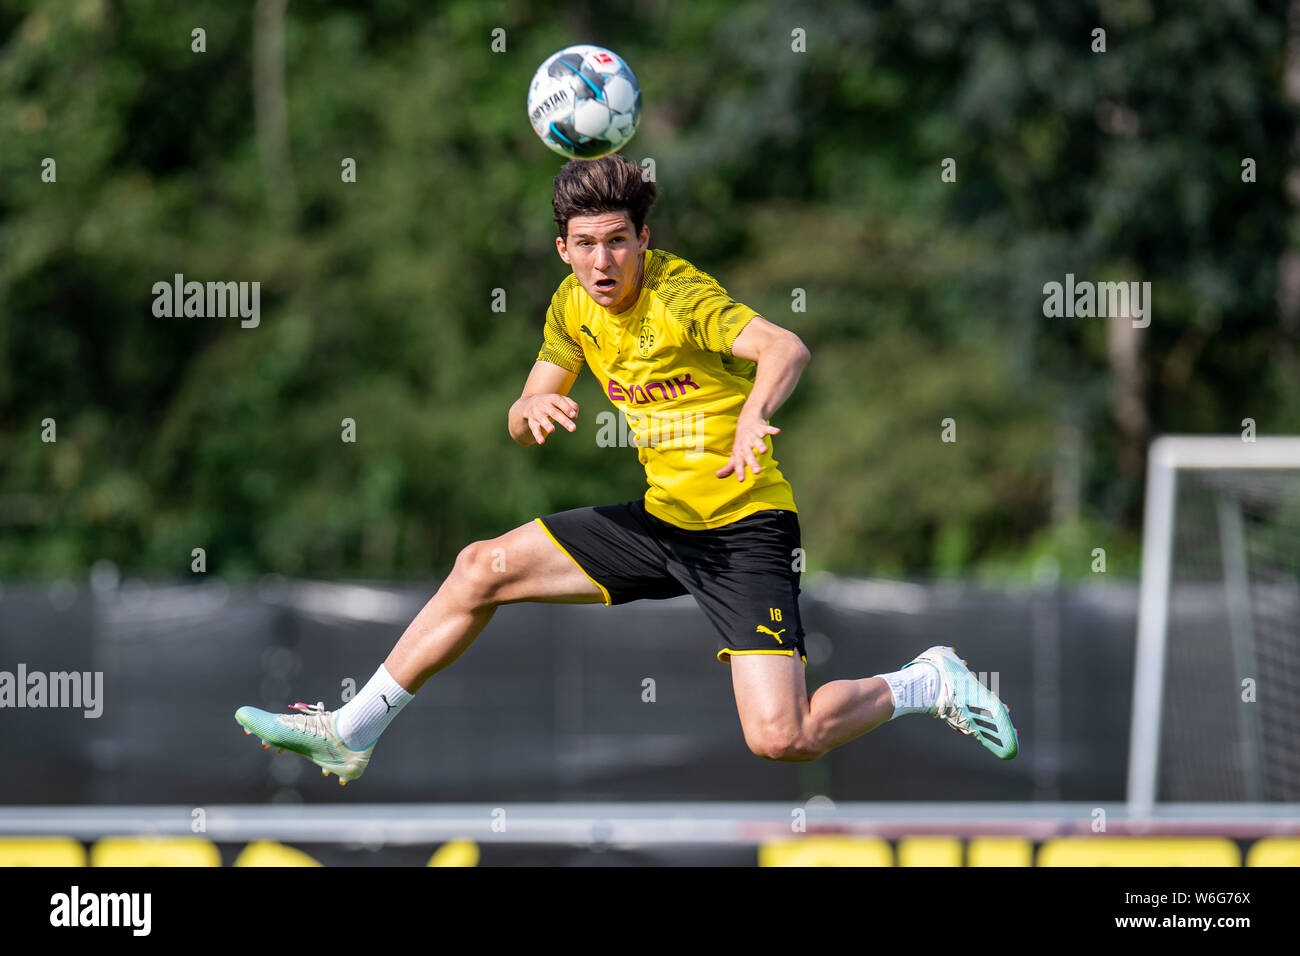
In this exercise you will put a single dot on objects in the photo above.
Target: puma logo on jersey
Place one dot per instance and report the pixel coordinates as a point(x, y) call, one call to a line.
point(592, 334)
point(767, 630)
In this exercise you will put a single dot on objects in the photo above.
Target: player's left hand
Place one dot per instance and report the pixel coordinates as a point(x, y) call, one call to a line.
point(750, 434)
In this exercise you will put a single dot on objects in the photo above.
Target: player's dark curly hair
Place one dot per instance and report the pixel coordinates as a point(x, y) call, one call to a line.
point(585, 187)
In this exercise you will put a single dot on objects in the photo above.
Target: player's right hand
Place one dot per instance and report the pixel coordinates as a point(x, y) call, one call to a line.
point(541, 410)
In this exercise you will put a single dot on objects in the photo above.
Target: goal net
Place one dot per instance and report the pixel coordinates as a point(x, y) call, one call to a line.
point(1217, 682)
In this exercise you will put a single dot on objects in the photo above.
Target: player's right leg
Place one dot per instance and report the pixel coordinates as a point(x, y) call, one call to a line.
point(522, 565)
point(525, 564)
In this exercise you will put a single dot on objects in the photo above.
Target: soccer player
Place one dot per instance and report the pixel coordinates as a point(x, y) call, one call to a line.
point(699, 376)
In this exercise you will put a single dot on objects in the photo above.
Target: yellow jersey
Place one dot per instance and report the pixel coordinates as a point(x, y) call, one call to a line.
point(666, 364)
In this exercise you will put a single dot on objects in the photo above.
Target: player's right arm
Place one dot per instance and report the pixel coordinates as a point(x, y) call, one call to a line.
point(544, 401)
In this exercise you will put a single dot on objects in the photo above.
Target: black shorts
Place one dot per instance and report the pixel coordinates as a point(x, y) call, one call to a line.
point(742, 575)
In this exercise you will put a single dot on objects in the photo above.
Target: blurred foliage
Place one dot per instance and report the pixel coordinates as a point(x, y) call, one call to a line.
point(778, 170)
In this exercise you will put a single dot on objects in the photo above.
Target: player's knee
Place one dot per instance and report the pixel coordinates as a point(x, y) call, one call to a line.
point(786, 745)
point(478, 573)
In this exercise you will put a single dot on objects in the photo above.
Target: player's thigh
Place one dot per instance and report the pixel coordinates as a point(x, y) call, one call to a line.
point(525, 564)
point(771, 699)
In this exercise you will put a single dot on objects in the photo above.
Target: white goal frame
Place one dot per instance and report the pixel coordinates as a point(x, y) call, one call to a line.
point(1168, 455)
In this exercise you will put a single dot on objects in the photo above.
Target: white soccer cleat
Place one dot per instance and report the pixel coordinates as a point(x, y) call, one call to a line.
point(969, 707)
point(313, 733)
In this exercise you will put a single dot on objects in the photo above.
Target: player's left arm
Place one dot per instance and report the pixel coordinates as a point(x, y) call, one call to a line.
point(780, 357)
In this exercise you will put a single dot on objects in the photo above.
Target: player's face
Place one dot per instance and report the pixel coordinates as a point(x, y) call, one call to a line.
point(607, 257)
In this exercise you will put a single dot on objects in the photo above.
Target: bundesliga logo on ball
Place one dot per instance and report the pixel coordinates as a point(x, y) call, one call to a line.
point(584, 102)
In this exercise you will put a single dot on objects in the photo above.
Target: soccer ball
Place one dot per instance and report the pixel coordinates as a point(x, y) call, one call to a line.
point(584, 102)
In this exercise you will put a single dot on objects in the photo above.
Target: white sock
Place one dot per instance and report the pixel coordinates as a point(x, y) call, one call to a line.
point(915, 688)
point(366, 716)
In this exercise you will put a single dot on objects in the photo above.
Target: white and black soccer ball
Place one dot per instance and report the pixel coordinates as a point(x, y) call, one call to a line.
point(584, 102)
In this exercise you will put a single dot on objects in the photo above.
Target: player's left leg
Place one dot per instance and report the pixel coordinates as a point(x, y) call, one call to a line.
point(745, 577)
point(780, 722)
point(744, 580)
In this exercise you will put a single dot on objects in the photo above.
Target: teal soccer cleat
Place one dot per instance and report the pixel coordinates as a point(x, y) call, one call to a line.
point(968, 706)
point(312, 732)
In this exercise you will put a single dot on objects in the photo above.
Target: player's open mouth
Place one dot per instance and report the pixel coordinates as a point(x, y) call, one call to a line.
point(604, 285)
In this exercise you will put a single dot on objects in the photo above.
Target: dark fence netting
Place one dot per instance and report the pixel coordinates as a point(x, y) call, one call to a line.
point(552, 703)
